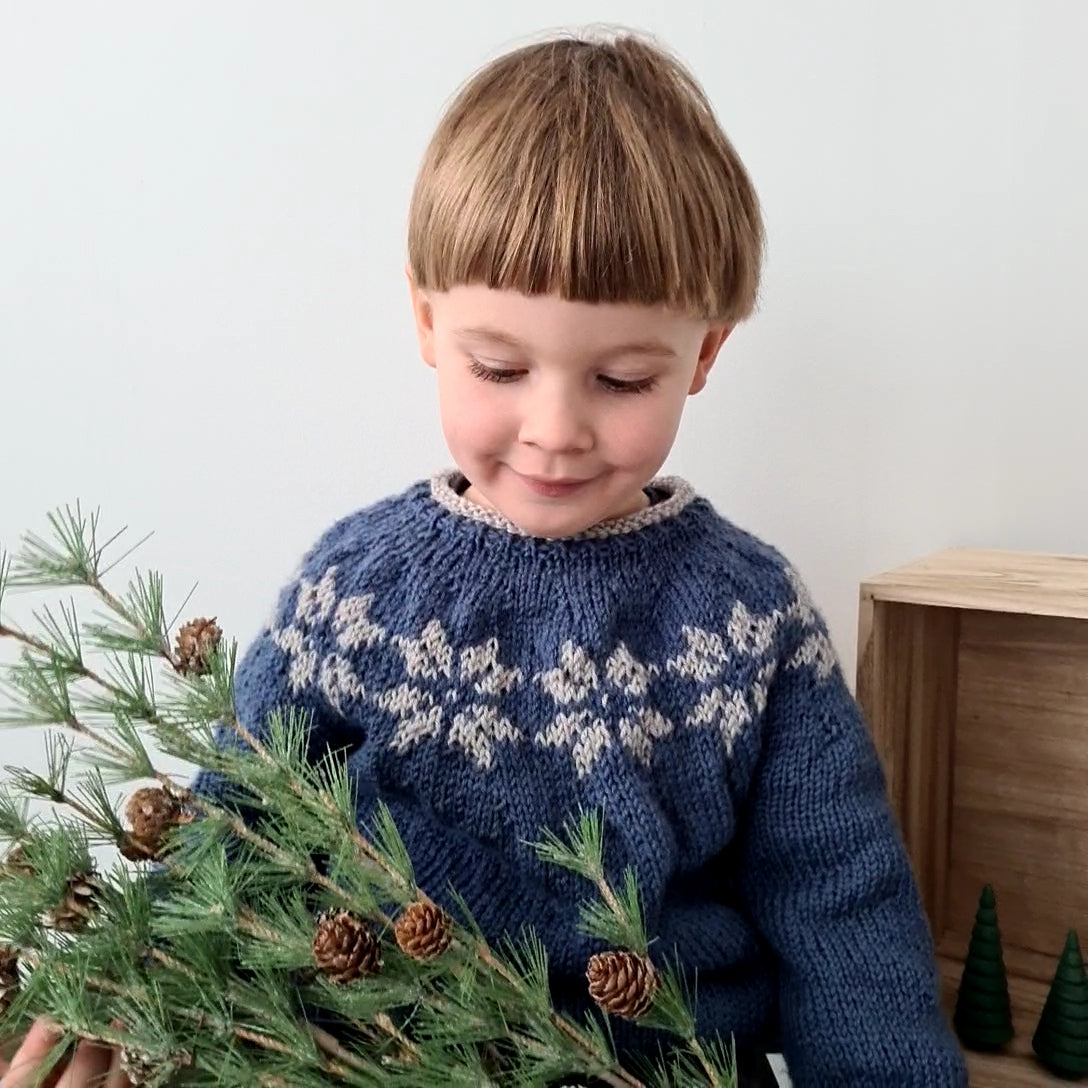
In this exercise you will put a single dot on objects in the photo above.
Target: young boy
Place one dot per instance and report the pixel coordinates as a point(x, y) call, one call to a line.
point(549, 627)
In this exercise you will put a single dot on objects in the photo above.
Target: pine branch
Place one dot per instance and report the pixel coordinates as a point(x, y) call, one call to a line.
point(63, 561)
point(74, 557)
point(42, 682)
point(65, 635)
point(235, 917)
point(14, 821)
point(479, 947)
point(343, 1063)
point(309, 873)
point(617, 917)
point(36, 786)
point(328, 1043)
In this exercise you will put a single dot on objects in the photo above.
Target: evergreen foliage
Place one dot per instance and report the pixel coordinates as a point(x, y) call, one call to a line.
point(206, 945)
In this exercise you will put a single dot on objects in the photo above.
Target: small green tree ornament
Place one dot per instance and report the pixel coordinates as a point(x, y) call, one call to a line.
point(1061, 1039)
point(983, 1017)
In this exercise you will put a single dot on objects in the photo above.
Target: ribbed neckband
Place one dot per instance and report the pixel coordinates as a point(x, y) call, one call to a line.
point(678, 494)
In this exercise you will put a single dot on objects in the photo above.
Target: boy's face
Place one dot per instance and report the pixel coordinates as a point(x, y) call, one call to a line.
point(559, 413)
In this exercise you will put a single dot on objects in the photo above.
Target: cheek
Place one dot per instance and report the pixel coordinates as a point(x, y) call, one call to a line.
point(469, 416)
point(645, 432)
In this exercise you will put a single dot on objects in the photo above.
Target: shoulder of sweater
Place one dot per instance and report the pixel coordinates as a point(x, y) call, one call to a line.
point(743, 562)
point(357, 533)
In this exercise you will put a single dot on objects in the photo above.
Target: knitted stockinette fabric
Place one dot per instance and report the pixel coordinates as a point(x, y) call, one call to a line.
point(667, 670)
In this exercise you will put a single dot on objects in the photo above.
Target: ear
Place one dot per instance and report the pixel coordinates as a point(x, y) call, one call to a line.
point(708, 352)
point(423, 312)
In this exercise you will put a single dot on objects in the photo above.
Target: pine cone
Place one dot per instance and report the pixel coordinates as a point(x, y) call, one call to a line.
point(147, 1071)
point(15, 864)
point(151, 813)
point(81, 902)
point(622, 983)
point(197, 641)
point(9, 976)
point(345, 948)
point(423, 931)
point(136, 849)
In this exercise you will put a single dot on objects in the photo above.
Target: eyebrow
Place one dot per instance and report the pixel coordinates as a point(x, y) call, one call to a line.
point(651, 347)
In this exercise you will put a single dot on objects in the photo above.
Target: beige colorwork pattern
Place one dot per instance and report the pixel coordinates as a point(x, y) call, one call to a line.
point(459, 693)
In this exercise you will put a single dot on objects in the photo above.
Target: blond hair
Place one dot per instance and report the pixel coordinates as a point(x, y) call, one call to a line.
point(594, 170)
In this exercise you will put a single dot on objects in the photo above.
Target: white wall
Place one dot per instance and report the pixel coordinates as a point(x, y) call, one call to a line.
point(204, 327)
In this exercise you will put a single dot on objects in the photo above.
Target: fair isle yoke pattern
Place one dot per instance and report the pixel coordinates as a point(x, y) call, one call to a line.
point(667, 670)
point(459, 694)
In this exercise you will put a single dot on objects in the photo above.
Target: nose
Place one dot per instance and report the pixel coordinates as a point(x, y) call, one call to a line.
point(557, 420)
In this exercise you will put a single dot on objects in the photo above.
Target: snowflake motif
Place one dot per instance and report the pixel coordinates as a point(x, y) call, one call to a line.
point(302, 657)
point(420, 715)
point(480, 664)
point(704, 658)
point(707, 655)
point(575, 682)
point(817, 653)
point(730, 710)
point(316, 600)
point(333, 674)
point(752, 635)
point(639, 731)
point(627, 674)
point(583, 733)
point(801, 608)
point(430, 655)
point(353, 625)
point(478, 729)
point(338, 681)
point(726, 709)
point(574, 679)
point(476, 675)
point(763, 686)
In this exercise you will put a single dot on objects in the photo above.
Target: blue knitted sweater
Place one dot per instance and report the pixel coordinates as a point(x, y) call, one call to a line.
point(668, 670)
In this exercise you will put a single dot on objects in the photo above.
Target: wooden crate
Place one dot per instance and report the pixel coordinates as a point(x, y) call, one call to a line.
point(973, 674)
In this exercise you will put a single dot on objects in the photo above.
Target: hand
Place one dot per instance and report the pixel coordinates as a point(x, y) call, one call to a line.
point(89, 1064)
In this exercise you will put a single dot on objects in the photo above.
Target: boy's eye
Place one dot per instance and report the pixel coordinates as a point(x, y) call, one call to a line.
point(490, 373)
point(615, 385)
point(504, 374)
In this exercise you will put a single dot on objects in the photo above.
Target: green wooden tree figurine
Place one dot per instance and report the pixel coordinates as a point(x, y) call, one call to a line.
point(1061, 1039)
point(983, 1017)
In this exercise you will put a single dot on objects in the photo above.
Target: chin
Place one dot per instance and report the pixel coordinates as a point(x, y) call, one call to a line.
point(549, 519)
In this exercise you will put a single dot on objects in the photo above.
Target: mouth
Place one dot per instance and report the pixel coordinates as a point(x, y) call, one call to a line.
point(554, 488)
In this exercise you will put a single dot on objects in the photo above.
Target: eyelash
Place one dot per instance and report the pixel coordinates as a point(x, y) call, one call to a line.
point(613, 385)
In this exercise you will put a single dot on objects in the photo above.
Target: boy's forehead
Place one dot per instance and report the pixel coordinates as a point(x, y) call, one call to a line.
point(477, 312)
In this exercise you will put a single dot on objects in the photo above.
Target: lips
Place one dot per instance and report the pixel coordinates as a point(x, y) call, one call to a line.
point(554, 488)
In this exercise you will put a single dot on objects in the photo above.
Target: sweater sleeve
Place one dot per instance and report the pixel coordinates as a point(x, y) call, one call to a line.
point(827, 881)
